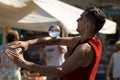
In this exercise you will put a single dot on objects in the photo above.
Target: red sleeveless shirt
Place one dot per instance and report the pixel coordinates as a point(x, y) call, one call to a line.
point(89, 72)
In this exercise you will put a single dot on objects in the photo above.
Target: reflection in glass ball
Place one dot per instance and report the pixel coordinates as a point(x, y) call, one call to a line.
point(54, 31)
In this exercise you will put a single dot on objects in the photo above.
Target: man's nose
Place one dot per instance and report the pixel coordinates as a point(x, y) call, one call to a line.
point(77, 20)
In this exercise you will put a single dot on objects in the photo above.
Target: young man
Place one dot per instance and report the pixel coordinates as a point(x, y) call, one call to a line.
point(85, 56)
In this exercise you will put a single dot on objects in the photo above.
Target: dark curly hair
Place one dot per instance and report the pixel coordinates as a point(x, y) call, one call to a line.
point(97, 16)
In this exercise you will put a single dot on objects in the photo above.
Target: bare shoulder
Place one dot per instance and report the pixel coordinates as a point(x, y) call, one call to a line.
point(87, 53)
point(70, 41)
point(82, 56)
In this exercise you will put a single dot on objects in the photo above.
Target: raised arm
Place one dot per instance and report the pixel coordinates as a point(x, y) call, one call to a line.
point(68, 41)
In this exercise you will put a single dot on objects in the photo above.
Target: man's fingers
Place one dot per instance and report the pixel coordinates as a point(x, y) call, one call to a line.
point(14, 44)
point(10, 54)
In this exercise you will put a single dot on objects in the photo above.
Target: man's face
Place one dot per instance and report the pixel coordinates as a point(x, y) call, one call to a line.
point(81, 23)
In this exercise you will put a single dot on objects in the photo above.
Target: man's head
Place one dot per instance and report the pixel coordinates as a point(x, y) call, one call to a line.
point(92, 19)
point(12, 36)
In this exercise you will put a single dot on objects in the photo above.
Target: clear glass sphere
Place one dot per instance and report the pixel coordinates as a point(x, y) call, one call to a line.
point(54, 31)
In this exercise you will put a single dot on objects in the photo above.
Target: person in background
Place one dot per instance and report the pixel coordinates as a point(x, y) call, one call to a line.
point(54, 55)
point(8, 69)
point(85, 56)
point(115, 64)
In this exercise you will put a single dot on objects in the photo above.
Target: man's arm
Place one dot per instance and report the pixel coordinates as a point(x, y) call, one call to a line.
point(68, 41)
point(77, 59)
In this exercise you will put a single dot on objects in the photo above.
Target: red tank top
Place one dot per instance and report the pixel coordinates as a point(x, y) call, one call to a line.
point(89, 72)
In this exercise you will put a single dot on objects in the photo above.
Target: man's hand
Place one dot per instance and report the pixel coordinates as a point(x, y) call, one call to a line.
point(16, 44)
point(17, 58)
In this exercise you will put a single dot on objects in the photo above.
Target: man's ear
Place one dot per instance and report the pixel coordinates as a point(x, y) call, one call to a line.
point(87, 25)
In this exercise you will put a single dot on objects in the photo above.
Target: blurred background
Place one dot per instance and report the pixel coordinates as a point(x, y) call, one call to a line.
point(31, 18)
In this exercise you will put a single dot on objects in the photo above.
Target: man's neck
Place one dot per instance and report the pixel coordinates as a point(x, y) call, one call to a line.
point(86, 37)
